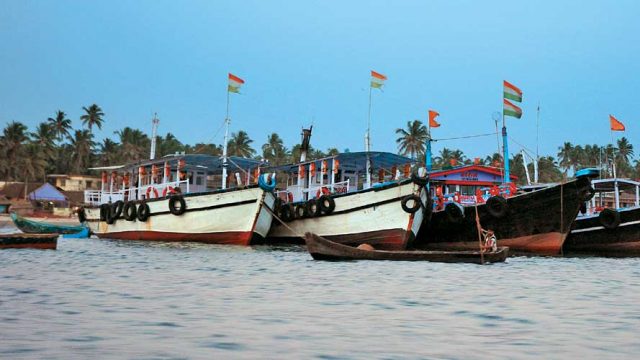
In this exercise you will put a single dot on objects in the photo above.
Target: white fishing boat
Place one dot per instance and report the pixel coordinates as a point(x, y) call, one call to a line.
point(185, 204)
point(334, 198)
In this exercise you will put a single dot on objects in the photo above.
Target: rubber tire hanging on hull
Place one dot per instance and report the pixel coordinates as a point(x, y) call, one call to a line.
point(454, 213)
point(326, 204)
point(497, 206)
point(417, 202)
point(172, 205)
point(130, 212)
point(143, 211)
point(609, 218)
point(105, 212)
point(286, 212)
point(82, 216)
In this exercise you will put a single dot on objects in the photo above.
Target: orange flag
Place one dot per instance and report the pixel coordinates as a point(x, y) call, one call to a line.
point(615, 124)
point(432, 118)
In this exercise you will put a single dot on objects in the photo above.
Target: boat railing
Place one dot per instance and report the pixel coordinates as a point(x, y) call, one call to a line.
point(148, 191)
point(315, 190)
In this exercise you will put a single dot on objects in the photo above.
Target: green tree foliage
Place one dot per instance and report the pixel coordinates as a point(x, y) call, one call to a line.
point(411, 141)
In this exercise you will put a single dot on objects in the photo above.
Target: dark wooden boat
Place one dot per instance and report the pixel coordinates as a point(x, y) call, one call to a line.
point(610, 233)
point(33, 241)
point(323, 249)
point(533, 223)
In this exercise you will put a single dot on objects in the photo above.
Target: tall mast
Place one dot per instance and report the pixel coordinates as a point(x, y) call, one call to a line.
point(227, 122)
point(535, 161)
point(505, 147)
point(367, 142)
point(154, 134)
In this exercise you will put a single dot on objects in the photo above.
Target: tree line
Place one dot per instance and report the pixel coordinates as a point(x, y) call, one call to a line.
point(55, 147)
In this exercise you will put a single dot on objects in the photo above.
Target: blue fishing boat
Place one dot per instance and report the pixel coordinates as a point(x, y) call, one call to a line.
point(38, 227)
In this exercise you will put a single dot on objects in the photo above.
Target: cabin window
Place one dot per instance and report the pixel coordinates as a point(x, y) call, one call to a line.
point(467, 190)
point(198, 180)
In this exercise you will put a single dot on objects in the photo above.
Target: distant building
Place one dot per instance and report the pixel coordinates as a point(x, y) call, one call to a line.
point(74, 182)
point(465, 180)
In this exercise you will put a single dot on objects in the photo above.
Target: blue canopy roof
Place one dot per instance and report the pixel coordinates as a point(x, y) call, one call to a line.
point(357, 160)
point(47, 192)
point(193, 162)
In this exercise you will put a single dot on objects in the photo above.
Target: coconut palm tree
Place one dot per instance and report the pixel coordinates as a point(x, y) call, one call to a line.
point(274, 150)
point(32, 164)
point(209, 149)
point(169, 145)
point(412, 139)
point(60, 125)
point(13, 138)
point(92, 117)
point(135, 145)
point(566, 154)
point(625, 150)
point(44, 138)
point(332, 151)
point(82, 144)
point(240, 145)
point(109, 152)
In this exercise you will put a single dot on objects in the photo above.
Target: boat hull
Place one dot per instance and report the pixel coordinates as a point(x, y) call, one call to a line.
point(236, 217)
point(374, 216)
point(31, 241)
point(535, 223)
point(323, 249)
point(39, 227)
point(589, 237)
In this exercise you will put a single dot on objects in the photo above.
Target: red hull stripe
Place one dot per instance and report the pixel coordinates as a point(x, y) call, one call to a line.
point(229, 238)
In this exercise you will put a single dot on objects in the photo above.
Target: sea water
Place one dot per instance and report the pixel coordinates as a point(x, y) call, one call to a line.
point(110, 299)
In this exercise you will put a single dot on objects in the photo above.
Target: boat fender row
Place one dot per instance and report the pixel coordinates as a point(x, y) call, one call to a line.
point(312, 208)
point(497, 206)
point(130, 212)
point(411, 203)
point(177, 205)
point(609, 218)
point(267, 182)
point(417, 179)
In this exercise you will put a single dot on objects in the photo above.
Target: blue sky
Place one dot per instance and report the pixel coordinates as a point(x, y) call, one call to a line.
point(309, 61)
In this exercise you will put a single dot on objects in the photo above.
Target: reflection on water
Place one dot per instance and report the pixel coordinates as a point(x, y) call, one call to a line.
point(119, 299)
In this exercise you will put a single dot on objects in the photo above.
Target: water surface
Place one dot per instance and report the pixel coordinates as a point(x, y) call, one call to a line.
point(140, 300)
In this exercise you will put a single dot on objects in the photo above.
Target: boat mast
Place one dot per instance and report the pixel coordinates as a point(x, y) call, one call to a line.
point(154, 134)
point(367, 142)
point(505, 147)
point(535, 162)
point(227, 122)
point(428, 156)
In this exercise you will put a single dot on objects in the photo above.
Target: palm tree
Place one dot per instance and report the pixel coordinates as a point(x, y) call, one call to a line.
point(209, 149)
point(566, 154)
point(32, 164)
point(625, 150)
point(44, 140)
point(60, 125)
point(82, 144)
point(274, 150)
point(240, 145)
point(109, 152)
point(412, 140)
point(92, 117)
point(332, 151)
point(494, 160)
point(135, 144)
point(548, 170)
point(13, 138)
point(169, 145)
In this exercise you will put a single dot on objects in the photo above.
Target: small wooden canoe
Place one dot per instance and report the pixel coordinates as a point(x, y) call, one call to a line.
point(40, 227)
point(323, 249)
point(33, 241)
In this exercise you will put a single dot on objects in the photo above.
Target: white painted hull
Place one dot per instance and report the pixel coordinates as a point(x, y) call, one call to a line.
point(231, 217)
point(374, 216)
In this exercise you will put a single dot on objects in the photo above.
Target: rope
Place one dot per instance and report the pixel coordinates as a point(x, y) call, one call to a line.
point(282, 222)
point(465, 137)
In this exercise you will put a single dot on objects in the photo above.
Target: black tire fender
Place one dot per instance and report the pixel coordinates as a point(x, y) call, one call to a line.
point(130, 212)
point(313, 209)
point(326, 204)
point(497, 206)
point(609, 218)
point(105, 212)
point(172, 205)
point(116, 209)
point(286, 212)
point(301, 211)
point(143, 211)
point(454, 212)
point(417, 179)
point(411, 203)
point(82, 216)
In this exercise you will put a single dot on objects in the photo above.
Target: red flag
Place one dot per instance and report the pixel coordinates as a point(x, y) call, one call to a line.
point(432, 118)
point(615, 124)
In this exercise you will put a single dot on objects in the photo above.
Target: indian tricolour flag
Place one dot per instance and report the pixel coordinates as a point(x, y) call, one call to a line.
point(511, 110)
point(377, 80)
point(511, 92)
point(234, 83)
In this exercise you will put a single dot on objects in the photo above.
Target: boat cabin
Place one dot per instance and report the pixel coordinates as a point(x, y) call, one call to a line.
point(613, 194)
point(342, 173)
point(185, 173)
point(469, 184)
